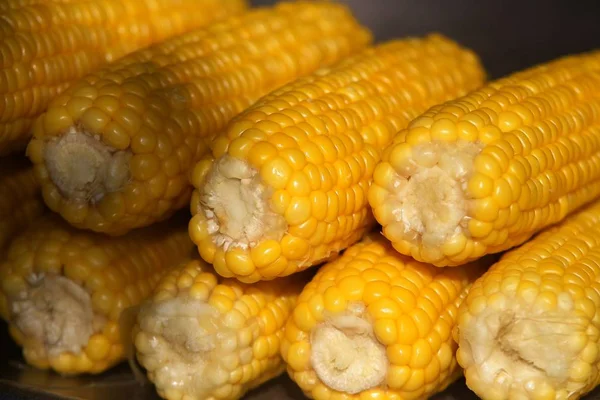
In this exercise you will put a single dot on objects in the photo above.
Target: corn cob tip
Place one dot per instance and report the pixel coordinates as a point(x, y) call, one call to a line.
point(427, 198)
point(514, 351)
point(235, 203)
point(83, 168)
point(356, 361)
point(182, 342)
point(53, 314)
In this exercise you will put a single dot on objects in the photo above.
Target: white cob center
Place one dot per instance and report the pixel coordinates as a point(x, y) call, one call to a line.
point(516, 350)
point(345, 354)
point(184, 347)
point(56, 314)
point(236, 204)
point(430, 202)
point(83, 168)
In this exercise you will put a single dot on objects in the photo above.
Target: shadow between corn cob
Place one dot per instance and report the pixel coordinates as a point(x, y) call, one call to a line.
point(20, 198)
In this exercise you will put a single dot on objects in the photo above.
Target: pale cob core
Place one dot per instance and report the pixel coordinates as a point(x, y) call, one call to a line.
point(376, 324)
point(56, 313)
point(517, 347)
point(357, 362)
point(428, 198)
point(63, 290)
point(85, 169)
point(203, 337)
point(188, 342)
point(235, 202)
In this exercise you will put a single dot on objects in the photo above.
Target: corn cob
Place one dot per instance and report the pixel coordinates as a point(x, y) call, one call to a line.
point(483, 173)
point(375, 324)
point(204, 337)
point(286, 187)
point(114, 151)
point(62, 290)
point(530, 326)
point(44, 46)
point(20, 198)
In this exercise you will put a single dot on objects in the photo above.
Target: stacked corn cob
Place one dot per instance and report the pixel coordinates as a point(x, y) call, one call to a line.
point(114, 151)
point(45, 45)
point(63, 289)
point(327, 133)
point(285, 186)
point(484, 173)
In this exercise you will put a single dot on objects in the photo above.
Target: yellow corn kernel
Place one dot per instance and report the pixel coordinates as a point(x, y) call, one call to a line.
point(66, 316)
point(78, 37)
point(375, 323)
point(147, 118)
point(298, 191)
point(20, 197)
point(191, 347)
point(529, 326)
point(485, 172)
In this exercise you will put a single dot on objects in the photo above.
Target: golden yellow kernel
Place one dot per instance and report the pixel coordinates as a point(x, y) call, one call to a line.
point(265, 253)
point(444, 130)
point(294, 248)
point(57, 120)
point(98, 347)
point(94, 120)
point(298, 210)
point(239, 262)
point(144, 166)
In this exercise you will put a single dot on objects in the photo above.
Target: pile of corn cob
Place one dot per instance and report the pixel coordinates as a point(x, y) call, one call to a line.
point(294, 140)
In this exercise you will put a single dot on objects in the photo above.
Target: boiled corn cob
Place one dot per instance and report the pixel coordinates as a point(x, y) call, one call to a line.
point(375, 324)
point(483, 173)
point(530, 327)
point(204, 337)
point(20, 198)
point(62, 290)
point(114, 152)
point(44, 46)
point(286, 186)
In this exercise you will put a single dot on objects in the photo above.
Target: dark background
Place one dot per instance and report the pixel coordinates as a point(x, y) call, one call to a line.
point(508, 35)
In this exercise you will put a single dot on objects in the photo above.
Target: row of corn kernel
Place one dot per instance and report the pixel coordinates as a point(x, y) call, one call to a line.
point(64, 290)
point(226, 187)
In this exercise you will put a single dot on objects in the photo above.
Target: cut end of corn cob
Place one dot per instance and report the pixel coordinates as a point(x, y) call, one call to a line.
point(83, 168)
point(425, 203)
point(376, 324)
point(512, 350)
point(236, 205)
point(185, 340)
point(204, 337)
point(358, 361)
point(533, 160)
point(54, 313)
point(63, 290)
